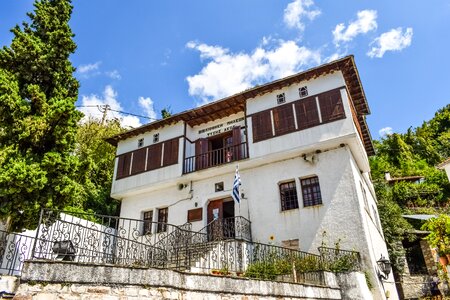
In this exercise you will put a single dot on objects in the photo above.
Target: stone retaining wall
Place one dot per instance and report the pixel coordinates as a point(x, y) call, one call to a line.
point(67, 280)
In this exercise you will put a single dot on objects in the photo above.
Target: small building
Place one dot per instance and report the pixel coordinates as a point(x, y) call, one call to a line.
point(445, 165)
point(301, 145)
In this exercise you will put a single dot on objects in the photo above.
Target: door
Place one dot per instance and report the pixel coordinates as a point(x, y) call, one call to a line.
point(222, 213)
point(215, 213)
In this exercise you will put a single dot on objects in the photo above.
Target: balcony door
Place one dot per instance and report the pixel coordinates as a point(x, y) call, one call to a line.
point(222, 213)
point(219, 149)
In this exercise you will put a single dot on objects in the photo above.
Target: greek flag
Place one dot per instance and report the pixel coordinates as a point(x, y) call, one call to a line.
point(237, 182)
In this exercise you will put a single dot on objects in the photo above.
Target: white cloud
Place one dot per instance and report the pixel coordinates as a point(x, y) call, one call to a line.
point(296, 11)
point(147, 106)
point(227, 73)
point(385, 131)
point(366, 21)
point(93, 102)
point(114, 74)
point(83, 69)
point(393, 40)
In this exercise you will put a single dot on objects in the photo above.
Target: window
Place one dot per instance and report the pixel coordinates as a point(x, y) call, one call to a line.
point(366, 203)
point(162, 219)
point(262, 126)
point(148, 219)
point(140, 143)
point(311, 191)
point(156, 138)
point(283, 118)
point(331, 106)
point(303, 91)
point(375, 217)
point(307, 114)
point(291, 244)
point(218, 187)
point(281, 98)
point(288, 195)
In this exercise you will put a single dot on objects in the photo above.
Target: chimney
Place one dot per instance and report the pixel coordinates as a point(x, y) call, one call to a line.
point(387, 176)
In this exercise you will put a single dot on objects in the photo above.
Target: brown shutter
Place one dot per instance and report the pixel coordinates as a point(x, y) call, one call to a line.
point(170, 152)
point(283, 119)
point(307, 114)
point(123, 165)
point(154, 157)
point(237, 151)
point(331, 106)
point(138, 165)
point(201, 153)
point(262, 126)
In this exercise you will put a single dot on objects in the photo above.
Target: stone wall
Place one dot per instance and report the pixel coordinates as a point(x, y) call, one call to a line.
point(67, 280)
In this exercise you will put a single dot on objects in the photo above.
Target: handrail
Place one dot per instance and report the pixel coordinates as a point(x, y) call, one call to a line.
point(215, 157)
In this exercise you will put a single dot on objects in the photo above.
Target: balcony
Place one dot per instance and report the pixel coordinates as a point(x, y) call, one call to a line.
point(214, 158)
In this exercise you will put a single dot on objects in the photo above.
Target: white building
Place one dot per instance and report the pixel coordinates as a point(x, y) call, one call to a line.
point(302, 146)
point(445, 165)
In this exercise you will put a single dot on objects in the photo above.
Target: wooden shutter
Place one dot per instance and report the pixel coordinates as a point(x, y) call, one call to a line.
point(261, 126)
point(307, 114)
point(201, 153)
point(283, 119)
point(138, 165)
point(237, 151)
point(170, 152)
point(331, 106)
point(154, 157)
point(123, 165)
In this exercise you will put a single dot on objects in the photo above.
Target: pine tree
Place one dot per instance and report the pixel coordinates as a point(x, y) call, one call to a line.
point(38, 119)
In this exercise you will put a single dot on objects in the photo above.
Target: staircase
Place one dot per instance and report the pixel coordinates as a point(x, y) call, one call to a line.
point(215, 246)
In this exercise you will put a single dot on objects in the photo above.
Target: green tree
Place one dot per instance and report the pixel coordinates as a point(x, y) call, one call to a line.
point(439, 235)
point(38, 119)
point(97, 165)
point(395, 227)
point(166, 112)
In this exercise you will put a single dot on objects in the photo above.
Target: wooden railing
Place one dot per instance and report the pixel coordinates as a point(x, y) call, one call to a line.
point(215, 158)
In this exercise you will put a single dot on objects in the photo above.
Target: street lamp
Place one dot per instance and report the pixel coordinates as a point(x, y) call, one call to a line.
point(385, 266)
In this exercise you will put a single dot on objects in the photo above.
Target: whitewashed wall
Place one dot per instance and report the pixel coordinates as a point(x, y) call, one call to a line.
point(315, 86)
point(165, 133)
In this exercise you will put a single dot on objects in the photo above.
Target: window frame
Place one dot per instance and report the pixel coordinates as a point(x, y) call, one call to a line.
point(288, 203)
point(162, 224)
point(309, 195)
point(147, 221)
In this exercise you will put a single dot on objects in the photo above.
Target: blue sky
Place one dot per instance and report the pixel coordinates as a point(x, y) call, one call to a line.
point(141, 56)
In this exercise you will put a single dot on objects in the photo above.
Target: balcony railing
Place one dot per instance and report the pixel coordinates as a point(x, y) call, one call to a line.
point(215, 158)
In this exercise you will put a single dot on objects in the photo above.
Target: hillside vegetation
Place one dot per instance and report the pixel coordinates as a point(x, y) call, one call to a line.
point(414, 153)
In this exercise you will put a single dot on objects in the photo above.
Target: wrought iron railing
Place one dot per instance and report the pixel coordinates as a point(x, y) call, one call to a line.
point(251, 260)
point(14, 250)
point(238, 228)
point(215, 158)
point(103, 239)
point(223, 247)
point(337, 260)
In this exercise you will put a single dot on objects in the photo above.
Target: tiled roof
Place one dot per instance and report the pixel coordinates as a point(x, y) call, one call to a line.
point(236, 103)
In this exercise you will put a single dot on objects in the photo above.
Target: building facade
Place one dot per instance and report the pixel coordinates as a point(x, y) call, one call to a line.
point(301, 145)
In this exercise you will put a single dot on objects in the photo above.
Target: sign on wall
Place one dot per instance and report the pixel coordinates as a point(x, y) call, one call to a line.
point(221, 127)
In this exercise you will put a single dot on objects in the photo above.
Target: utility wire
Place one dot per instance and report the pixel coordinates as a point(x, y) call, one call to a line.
point(104, 109)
